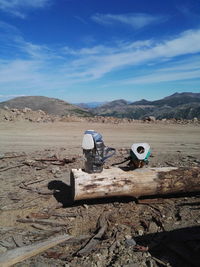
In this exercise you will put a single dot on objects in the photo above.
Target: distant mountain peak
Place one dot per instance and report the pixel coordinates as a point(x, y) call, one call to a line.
point(141, 102)
point(183, 94)
point(122, 101)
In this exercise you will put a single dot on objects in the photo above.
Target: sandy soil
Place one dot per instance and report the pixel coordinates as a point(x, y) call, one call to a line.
point(163, 138)
point(24, 194)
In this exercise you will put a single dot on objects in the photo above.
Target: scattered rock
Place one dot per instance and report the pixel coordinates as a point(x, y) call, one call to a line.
point(55, 170)
point(40, 116)
point(130, 241)
point(2, 249)
point(150, 119)
point(153, 228)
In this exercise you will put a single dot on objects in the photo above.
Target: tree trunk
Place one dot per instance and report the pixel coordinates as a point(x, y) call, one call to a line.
point(140, 182)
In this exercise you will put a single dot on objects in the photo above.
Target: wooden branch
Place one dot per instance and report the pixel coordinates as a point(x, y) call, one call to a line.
point(44, 222)
point(102, 227)
point(47, 159)
point(12, 167)
point(63, 215)
point(14, 156)
point(34, 182)
point(14, 256)
point(59, 161)
point(36, 190)
point(140, 182)
point(160, 261)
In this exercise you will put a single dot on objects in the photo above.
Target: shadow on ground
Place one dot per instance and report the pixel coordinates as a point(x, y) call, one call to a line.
point(180, 247)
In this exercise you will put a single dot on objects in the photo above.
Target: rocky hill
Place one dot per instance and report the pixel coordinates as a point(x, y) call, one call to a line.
point(26, 114)
point(178, 106)
point(49, 105)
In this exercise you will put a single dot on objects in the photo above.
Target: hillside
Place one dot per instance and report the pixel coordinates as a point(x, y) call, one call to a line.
point(178, 105)
point(172, 100)
point(49, 105)
point(178, 99)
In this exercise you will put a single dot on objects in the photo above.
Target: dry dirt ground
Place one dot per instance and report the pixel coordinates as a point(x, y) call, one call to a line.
point(33, 161)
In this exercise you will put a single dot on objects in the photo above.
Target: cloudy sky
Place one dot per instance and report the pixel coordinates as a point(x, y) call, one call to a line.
point(99, 50)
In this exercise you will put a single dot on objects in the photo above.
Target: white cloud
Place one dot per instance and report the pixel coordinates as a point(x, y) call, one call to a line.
point(18, 7)
point(95, 50)
point(177, 70)
point(109, 59)
point(16, 70)
point(38, 66)
point(135, 20)
point(158, 77)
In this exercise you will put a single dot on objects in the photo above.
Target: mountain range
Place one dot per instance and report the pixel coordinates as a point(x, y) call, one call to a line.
point(179, 105)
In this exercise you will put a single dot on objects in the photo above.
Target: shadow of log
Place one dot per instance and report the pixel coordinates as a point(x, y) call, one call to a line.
point(180, 248)
point(62, 192)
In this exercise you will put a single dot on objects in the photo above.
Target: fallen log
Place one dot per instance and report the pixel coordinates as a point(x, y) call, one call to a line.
point(14, 256)
point(115, 182)
point(35, 190)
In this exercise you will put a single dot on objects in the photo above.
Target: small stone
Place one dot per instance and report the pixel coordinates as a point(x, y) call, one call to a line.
point(3, 249)
point(140, 232)
point(128, 236)
point(25, 110)
point(195, 119)
point(153, 228)
point(55, 170)
point(130, 242)
point(104, 252)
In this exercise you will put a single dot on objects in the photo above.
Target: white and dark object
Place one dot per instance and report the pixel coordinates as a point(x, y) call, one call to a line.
point(139, 154)
point(95, 151)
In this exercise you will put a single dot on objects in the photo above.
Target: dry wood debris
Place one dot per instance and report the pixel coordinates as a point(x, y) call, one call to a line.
point(113, 232)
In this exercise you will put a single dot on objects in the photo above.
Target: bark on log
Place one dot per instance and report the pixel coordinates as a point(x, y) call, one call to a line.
point(140, 182)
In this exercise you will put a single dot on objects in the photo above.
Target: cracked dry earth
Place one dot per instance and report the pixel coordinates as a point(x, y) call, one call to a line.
point(145, 232)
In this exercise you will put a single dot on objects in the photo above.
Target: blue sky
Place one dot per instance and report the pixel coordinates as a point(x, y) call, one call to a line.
point(99, 50)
